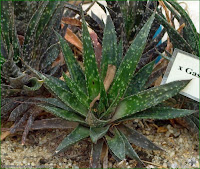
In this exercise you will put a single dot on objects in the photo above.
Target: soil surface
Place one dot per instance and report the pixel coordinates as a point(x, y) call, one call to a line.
point(181, 149)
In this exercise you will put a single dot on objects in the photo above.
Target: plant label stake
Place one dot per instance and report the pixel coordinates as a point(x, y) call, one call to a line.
point(184, 66)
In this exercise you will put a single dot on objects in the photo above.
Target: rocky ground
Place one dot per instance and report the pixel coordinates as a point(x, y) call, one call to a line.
point(181, 149)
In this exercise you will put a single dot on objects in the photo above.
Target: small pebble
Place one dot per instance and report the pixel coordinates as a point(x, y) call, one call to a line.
point(177, 133)
point(167, 134)
point(174, 165)
point(168, 126)
point(165, 165)
point(180, 140)
point(172, 154)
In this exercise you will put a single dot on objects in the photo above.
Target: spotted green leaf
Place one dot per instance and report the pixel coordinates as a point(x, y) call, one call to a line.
point(93, 121)
point(46, 17)
point(30, 34)
point(75, 71)
point(189, 31)
point(109, 53)
point(54, 85)
point(80, 95)
point(98, 132)
point(53, 102)
point(119, 53)
point(65, 114)
point(116, 144)
point(129, 62)
point(76, 135)
point(177, 40)
point(67, 97)
point(103, 102)
point(91, 71)
point(148, 98)
point(161, 113)
point(5, 21)
point(129, 151)
point(8, 33)
point(139, 79)
point(58, 82)
point(138, 139)
point(52, 53)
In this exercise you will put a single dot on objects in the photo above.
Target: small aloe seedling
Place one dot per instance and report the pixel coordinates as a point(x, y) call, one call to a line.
point(101, 100)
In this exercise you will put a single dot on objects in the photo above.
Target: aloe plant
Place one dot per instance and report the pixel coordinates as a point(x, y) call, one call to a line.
point(39, 48)
point(103, 100)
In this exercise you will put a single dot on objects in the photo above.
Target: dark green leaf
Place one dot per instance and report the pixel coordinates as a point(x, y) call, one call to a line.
point(55, 86)
point(109, 53)
point(54, 102)
point(173, 11)
point(94, 122)
point(91, 71)
point(161, 113)
point(76, 135)
point(5, 21)
point(129, 151)
point(119, 53)
point(68, 98)
point(49, 56)
point(139, 79)
point(129, 63)
point(116, 144)
point(65, 114)
point(103, 102)
point(190, 124)
point(96, 154)
point(138, 139)
point(30, 34)
point(190, 32)
point(177, 40)
point(148, 98)
point(58, 82)
point(46, 16)
point(195, 120)
point(75, 71)
point(80, 95)
point(35, 84)
point(98, 132)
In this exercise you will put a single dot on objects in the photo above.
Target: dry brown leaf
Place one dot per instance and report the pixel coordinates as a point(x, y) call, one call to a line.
point(158, 81)
point(21, 39)
point(73, 39)
point(5, 134)
point(181, 28)
point(78, 2)
point(166, 11)
point(71, 21)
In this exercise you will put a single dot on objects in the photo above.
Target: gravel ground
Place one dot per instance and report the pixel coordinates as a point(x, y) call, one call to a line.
point(181, 150)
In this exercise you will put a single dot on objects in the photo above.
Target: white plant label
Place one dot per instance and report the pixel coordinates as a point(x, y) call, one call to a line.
point(184, 66)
